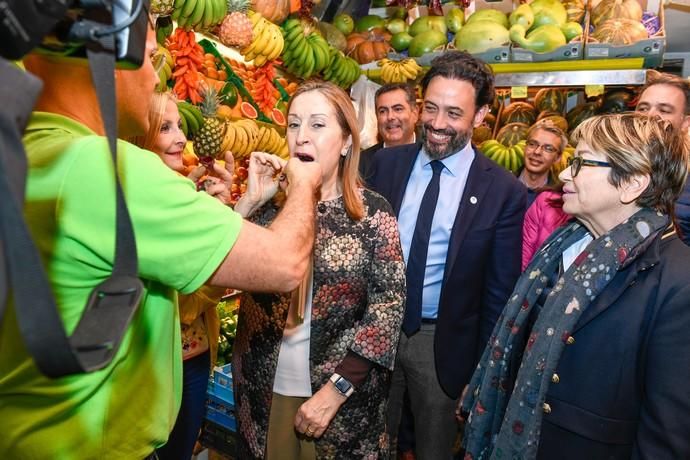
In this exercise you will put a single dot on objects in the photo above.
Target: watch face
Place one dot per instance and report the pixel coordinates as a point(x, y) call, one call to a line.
point(343, 385)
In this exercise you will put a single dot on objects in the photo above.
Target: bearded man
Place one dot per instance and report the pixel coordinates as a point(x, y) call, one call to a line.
point(460, 217)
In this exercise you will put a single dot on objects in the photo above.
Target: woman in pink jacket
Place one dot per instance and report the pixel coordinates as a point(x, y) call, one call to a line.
point(541, 219)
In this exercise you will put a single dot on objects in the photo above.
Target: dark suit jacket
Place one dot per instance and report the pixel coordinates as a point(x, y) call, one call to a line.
point(623, 388)
point(366, 157)
point(483, 261)
point(683, 213)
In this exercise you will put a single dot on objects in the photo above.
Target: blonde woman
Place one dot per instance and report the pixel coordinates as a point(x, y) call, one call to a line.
point(198, 316)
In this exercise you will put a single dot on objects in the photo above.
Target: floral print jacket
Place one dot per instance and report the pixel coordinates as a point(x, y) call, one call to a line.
point(358, 303)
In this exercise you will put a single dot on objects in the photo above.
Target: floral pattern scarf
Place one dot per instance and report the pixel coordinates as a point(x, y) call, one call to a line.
point(507, 425)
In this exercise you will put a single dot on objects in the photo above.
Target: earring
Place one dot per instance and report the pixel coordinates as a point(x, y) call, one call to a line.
point(346, 152)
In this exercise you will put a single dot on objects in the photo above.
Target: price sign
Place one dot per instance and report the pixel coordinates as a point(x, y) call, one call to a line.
point(518, 92)
point(594, 90)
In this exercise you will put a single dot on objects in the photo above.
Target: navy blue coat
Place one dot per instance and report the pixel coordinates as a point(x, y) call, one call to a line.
point(483, 261)
point(683, 213)
point(623, 385)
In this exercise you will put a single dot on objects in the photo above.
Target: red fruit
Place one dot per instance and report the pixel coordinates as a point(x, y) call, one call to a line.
point(278, 117)
point(248, 110)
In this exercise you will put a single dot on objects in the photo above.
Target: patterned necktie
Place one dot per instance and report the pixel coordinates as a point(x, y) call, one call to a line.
point(416, 263)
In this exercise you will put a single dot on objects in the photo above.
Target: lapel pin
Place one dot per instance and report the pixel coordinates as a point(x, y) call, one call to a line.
point(473, 199)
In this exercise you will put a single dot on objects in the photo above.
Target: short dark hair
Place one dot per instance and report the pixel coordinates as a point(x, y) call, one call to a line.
point(460, 65)
point(410, 92)
point(659, 78)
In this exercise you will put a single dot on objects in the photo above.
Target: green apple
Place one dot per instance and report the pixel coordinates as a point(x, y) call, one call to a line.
point(344, 23)
point(396, 26)
point(455, 18)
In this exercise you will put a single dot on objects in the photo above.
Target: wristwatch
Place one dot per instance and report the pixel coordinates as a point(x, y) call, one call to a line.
point(342, 384)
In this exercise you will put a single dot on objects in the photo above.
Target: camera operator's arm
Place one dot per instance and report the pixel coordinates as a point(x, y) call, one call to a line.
point(276, 258)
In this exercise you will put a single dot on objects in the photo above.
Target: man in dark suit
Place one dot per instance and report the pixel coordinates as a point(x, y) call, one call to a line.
point(462, 269)
point(396, 114)
point(668, 96)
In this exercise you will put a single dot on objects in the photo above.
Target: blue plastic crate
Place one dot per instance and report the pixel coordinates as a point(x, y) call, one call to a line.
point(222, 379)
point(221, 412)
point(219, 438)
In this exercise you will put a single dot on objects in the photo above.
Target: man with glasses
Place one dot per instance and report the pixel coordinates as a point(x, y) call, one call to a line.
point(668, 96)
point(545, 144)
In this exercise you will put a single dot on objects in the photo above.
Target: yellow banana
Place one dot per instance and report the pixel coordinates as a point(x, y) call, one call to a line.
point(228, 139)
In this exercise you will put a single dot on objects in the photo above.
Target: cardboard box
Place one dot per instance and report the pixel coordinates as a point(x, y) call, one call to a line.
point(651, 49)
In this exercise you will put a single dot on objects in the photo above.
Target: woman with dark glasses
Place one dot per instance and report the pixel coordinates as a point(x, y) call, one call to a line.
point(590, 357)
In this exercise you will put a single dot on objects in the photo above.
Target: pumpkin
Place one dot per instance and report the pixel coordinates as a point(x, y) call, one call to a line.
point(365, 47)
point(490, 120)
point(575, 10)
point(616, 9)
point(620, 32)
point(481, 133)
point(550, 100)
point(274, 10)
point(556, 118)
point(581, 112)
point(521, 112)
point(512, 133)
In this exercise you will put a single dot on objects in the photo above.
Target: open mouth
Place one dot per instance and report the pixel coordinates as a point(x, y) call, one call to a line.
point(303, 157)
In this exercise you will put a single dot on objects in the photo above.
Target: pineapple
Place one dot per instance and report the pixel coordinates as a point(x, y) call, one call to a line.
point(236, 29)
point(162, 7)
point(208, 139)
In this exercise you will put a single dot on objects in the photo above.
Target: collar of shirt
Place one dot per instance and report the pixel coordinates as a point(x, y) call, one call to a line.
point(454, 164)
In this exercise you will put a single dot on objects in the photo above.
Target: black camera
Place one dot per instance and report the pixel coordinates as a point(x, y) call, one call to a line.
point(62, 28)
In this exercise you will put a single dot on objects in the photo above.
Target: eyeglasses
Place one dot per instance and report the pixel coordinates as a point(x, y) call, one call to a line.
point(548, 148)
point(576, 163)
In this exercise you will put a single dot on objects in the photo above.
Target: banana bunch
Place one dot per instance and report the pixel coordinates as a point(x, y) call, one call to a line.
point(511, 158)
point(271, 141)
point(304, 55)
point(199, 14)
point(241, 137)
point(268, 41)
point(343, 70)
point(191, 118)
point(165, 67)
point(399, 71)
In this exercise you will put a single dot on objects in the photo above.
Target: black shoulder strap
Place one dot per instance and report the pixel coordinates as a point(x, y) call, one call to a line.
point(111, 304)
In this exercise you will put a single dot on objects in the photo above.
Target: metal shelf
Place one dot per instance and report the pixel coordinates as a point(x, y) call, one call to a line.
point(572, 78)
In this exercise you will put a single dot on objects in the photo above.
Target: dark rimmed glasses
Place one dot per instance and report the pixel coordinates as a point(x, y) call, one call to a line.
point(576, 163)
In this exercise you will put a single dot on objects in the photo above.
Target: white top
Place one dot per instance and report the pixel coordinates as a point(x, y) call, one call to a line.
point(292, 374)
point(570, 254)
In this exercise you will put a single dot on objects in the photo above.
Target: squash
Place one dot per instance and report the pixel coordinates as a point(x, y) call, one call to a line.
point(550, 100)
point(512, 133)
point(365, 47)
point(556, 118)
point(620, 32)
point(522, 112)
point(274, 10)
point(575, 10)
point(481, 133)
point(581, 112)
point(616, 9)
point(490, 120)
point(617, 101)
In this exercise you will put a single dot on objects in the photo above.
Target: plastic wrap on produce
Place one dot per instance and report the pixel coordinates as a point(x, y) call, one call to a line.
point(362, 94)
point(651, 22)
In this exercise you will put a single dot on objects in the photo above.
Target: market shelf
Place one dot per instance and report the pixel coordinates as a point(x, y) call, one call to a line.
point(628, 71)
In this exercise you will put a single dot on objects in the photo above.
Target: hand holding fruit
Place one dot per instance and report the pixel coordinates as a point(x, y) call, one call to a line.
point(262, 181)
point(218, 182)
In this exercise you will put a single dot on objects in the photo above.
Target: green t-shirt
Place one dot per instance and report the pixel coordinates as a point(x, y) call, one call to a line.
point(127, 409)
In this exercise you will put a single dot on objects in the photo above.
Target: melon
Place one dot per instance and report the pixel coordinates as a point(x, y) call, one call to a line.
point(481, 133)
point(519, 112)
point(481, 36)
point(490, 15)
point(620, 32)
point(369, 22)
point(575, 9)
point(248, 110)
point(512, 133)
point(616, 9)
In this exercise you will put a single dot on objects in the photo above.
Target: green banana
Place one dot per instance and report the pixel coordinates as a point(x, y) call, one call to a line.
point(185, 128)
point(198, 14)
point(188, 8)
